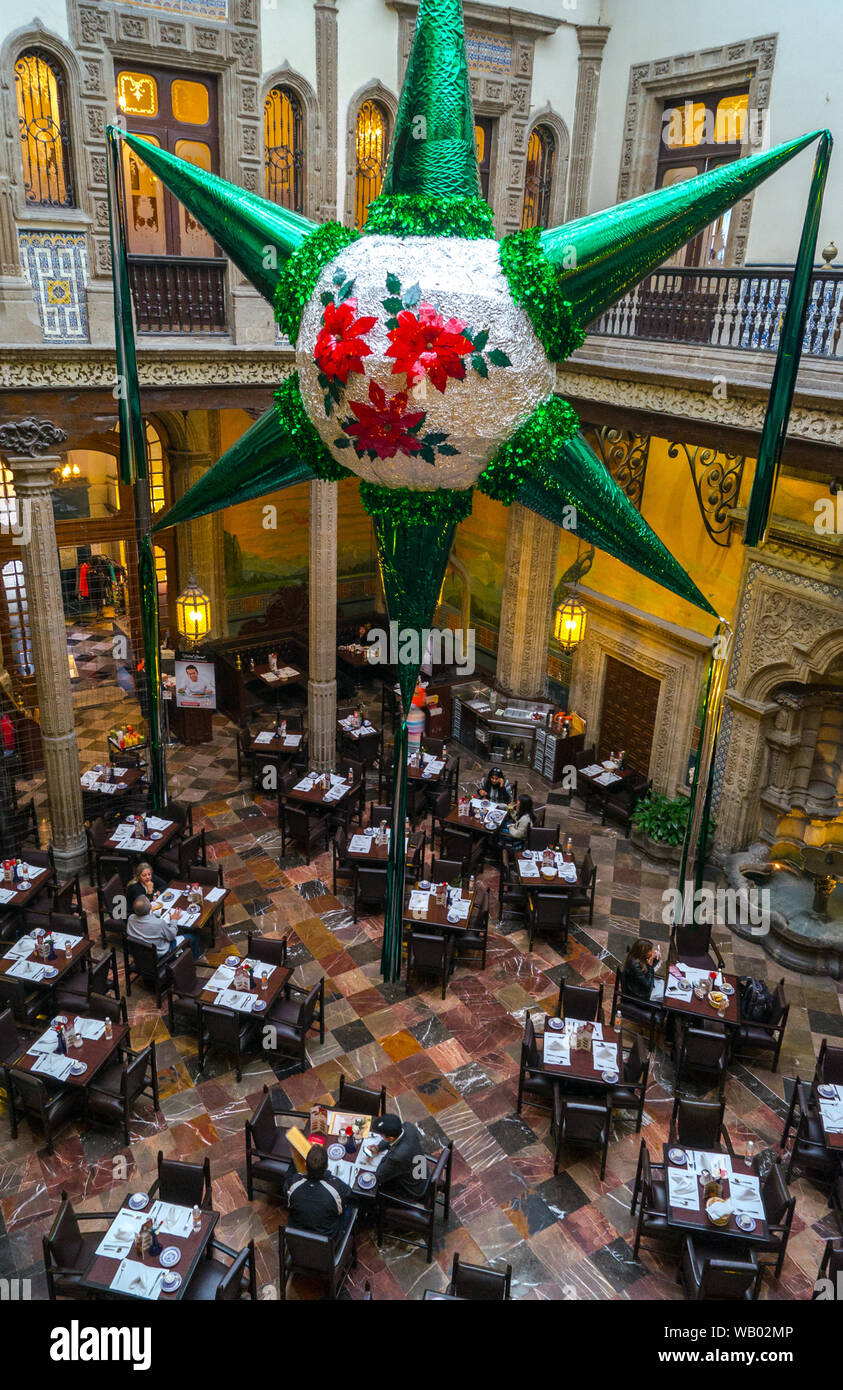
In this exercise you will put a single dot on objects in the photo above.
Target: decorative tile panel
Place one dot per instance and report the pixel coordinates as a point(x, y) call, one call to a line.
point(56, 266)
point(488, 52)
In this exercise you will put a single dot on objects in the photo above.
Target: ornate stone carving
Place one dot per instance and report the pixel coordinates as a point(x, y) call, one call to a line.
point(49, 371)
point(31, 438)
point(529, 575)
point(592, 40)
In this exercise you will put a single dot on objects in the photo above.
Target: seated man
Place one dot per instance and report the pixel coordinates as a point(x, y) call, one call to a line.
point(317, 1200)
point(402, 1172)
point(146, 926)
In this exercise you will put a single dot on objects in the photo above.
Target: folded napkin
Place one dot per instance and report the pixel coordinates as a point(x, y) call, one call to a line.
point(336, 792)
point(53, 1064)
point(6, 894)
point(92, 1028)
point(26, 970)
point(118, 1239)
point(360, 844)
point(606, 779)
point(683, 1190)
point(720, 1207)
point(46, 1043)
point(213, 895)
point(745, 1194)
point(419, 901)
point(592, 770)
point(605, 1056)
point(462, 907)
point(832, 1115)
point(64, 942)
point(174, 1220)
point(266, 736)
point(292, 740)
point(21, 949)
point(239, 999)
point(305, 785)
point(557, 1049)
point(156, 823)
point(137, 1279)
point(528, 868)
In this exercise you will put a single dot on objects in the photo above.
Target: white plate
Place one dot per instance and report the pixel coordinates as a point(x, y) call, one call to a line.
point(170, 1256)
point(60, 1018)
point(366, 1180)
point(556, 1024)
point(171, 1281)
point(336, 1151)
point(138, 1201)
point(50, 971)
point(78, 1067)
point(232, 960)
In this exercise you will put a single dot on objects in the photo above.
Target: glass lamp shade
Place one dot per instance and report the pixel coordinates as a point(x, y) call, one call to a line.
point(193, 612)
point(569, 623)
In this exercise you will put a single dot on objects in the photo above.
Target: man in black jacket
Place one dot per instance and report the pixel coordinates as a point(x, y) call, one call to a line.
point(402, 1172)
point(317, 1200)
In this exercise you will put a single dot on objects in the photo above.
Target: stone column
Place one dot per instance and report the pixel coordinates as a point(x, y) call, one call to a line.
point(27, 446)
point(325, 18)
point(592, 40)
point(526, 604)
point(322, 676)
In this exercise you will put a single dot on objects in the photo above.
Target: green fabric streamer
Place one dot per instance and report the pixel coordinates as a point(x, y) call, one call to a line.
point(415, 508)
point(601, 256)
point(132, 435)
point(780, 400)
point(422, 214)
point(148, 582)
point(393, 917)
point(433, 148)
point(550, 426)
point(298, 278)
point(534, 284)
point(258, 235)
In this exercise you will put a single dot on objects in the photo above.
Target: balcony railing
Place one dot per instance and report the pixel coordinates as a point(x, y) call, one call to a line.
point(175, 295)
point(738, 308)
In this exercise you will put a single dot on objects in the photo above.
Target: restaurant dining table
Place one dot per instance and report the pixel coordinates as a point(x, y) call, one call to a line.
point(430, 769)
point(601, 780)
point(311, 791)
point(356, 1167)
point(174, 900)
point(531, 868)
point(598, 1065)
point(79, 1066)
point(366, 729)
point(421, 909)
point(356, 655)
point(268, 742)
point(686, 1203)
point(118, 1271)
point(110, 781)
point(478, 815)
point(217, 988)
point(20, 962)
point(19, 896)
point(375, 852)
point(830, 1103)
point(123, 840)
point(695, 1006)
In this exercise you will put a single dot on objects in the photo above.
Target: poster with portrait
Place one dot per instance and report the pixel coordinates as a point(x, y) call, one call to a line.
point(196, 686)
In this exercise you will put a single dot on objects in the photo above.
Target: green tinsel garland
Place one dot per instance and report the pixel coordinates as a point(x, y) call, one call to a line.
point(421, 214)
point(540, 437)
point(403, 504)
point(291, 409)
point(298, 278)
point(534, 285)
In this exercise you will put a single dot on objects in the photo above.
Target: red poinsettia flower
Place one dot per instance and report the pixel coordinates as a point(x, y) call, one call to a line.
point(340, 348)
point(384, 427)
point(428, 344)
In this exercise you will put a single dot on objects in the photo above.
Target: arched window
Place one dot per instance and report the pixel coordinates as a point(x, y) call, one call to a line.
point(41, 91)
point(541, 158)
point(371, 145)
point(17, 612)
point(283, 134)
point(155, 459)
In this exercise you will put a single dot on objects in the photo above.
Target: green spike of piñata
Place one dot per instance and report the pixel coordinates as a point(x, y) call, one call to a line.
point(258, 235)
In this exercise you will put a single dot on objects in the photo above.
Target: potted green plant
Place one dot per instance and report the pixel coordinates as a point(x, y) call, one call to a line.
point(658, 826)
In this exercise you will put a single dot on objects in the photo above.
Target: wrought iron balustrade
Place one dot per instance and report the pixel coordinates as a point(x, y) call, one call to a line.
point(174, 294)
point(741, 308)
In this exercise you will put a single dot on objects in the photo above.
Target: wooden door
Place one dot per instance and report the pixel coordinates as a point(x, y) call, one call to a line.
point(628, 721)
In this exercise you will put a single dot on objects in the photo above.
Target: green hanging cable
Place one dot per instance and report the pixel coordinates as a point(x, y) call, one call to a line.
point(132, 433)
point(393, 917)
point(696, 830)
point(774, 429)
point(148, 581)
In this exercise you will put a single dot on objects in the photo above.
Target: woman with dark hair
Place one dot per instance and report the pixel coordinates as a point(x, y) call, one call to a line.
point(523, 820)
point(639, 971)
point(495, 787)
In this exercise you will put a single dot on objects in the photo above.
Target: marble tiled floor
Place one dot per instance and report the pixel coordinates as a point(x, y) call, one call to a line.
point(448, 1065)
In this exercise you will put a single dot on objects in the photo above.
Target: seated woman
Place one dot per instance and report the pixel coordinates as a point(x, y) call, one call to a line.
point(495, 787)
point(519, 830)
point(145, 884)
point(639, 972)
